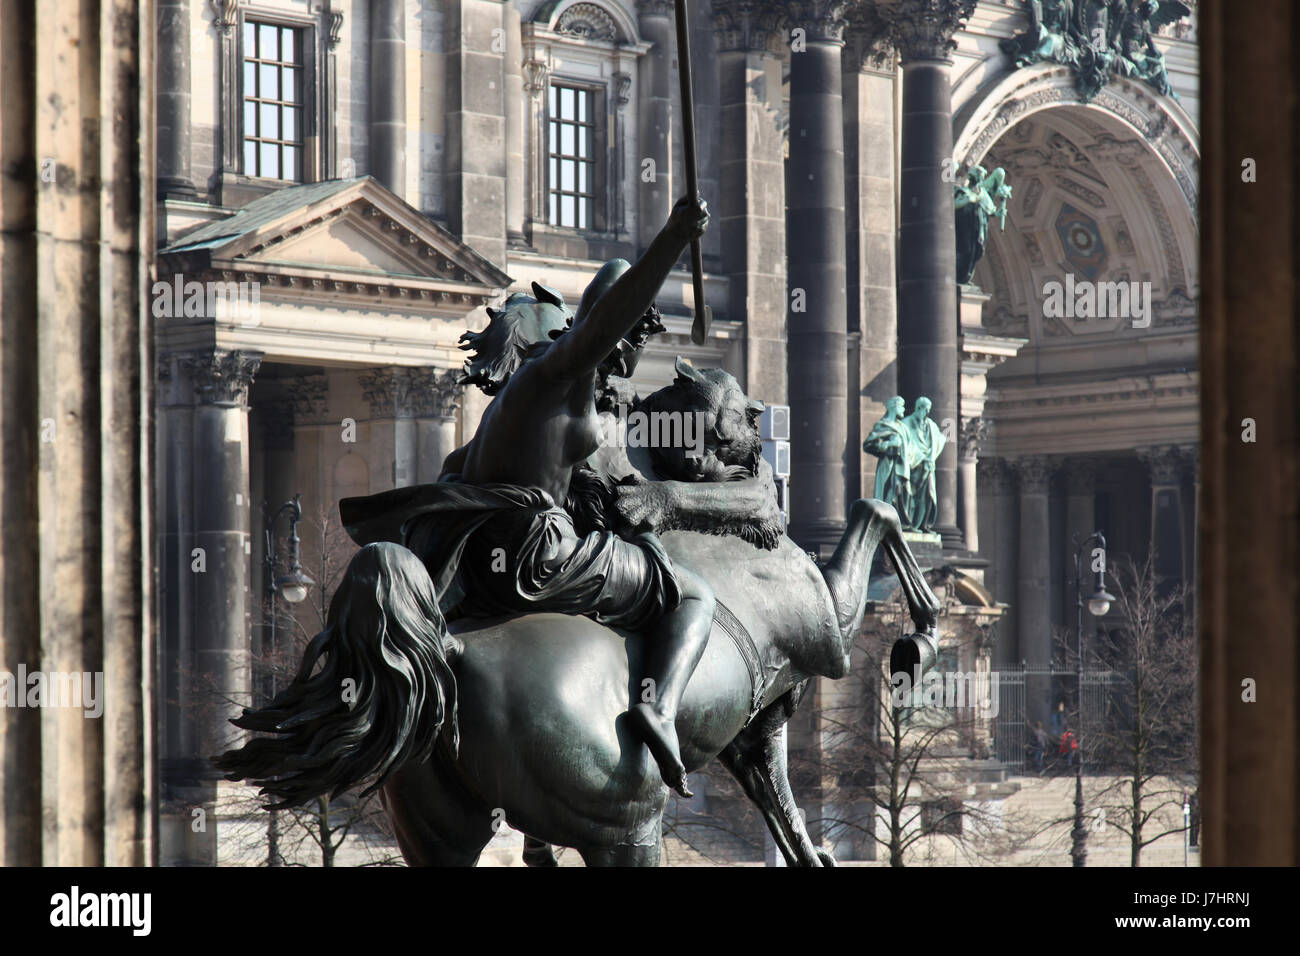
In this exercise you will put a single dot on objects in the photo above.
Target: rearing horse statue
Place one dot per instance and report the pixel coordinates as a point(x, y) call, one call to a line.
point(523, 718)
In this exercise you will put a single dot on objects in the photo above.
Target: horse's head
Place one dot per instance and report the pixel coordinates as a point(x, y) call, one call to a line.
point(731, 447)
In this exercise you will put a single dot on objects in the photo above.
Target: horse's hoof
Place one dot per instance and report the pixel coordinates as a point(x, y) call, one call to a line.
point(913, 655)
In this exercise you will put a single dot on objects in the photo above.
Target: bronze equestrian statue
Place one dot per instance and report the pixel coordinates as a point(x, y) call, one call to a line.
point(498, 624)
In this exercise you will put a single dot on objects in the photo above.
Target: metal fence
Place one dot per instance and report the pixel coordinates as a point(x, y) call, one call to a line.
point(1012, 733)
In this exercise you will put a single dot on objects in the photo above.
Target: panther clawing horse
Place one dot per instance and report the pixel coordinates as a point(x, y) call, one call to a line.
point(524, 719)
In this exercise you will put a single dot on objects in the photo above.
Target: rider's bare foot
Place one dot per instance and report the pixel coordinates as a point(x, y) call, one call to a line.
point(660, 735)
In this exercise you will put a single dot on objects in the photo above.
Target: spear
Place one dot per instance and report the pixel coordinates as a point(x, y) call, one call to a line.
point(703, 314)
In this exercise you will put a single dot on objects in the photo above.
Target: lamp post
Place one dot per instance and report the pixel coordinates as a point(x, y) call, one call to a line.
point(292, 586)
point(1098, 604)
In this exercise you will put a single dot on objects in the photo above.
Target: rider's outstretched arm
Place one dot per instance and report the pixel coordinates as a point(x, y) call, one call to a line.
point(616, 313)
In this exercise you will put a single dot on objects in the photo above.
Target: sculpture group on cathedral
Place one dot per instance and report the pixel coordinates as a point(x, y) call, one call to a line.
point(1097, 38)
point(908, 448)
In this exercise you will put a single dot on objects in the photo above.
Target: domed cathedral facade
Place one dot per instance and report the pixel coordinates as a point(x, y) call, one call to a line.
point(345, 185)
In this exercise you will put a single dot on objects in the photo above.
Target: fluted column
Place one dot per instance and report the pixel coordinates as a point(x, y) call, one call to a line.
point(927, 282)
point(750, 217)
point(973, 432)
point(817, 369)
point(77, 188)
point(1033, 589)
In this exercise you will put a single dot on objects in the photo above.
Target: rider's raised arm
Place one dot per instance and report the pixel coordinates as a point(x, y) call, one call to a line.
point(616, 313)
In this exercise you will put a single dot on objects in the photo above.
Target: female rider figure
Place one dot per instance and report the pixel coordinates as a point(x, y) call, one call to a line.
point(541, 425)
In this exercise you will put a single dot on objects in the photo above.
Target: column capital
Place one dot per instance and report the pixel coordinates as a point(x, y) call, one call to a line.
point(996, 475)
point(221, 377)
point(923, 29)
point(1035, 474)
point(749, 25)
point(397, 392)
point(1167, 464)
point(973, 433)
point(1081, 476)
point(307, 393)
point(434, 392)
point(823, 20)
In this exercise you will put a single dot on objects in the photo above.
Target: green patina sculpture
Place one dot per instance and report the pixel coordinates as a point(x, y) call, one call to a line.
point(925, 441)
point(977, 199)
point(888, 442)
point(908, 448)
point(1097, 38)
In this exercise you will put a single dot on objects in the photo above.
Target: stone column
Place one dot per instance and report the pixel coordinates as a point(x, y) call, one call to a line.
point(817, 370)
point(655, 79)
point(997, 481)
point(973, 432)
point(204, 576)
point(174, 176)
point(476, 126)
point(1033, 586)
point(435, 402)
point(750, 215)
point(1080, 518)
point(387, 95)
point(1166, 467)
point(871, 227)
point(76, 557)
point(927, 284)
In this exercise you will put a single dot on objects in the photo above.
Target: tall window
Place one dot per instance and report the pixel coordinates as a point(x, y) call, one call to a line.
point(571, 149)
point(273, 101)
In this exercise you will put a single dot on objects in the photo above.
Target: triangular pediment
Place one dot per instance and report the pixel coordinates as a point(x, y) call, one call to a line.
point(355, 228)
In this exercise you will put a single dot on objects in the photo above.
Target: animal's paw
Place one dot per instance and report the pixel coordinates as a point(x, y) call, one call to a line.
point(642, 506)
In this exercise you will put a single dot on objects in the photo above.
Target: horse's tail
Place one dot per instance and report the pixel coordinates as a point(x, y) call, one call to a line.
point(374, 691)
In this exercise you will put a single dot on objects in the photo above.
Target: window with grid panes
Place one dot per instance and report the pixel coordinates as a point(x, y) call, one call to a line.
point(273, 101)
point(571, 156)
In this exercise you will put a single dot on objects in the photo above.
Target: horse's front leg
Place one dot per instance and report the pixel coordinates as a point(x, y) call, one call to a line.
point(757, 760)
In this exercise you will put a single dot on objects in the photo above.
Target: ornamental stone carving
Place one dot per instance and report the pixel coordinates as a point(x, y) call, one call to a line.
point(923, 29)
point(588, 21)
point(221, 377)
point(1034, 473)
point(749, 25)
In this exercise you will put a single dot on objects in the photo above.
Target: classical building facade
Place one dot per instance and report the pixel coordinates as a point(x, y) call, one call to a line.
point(372, 174)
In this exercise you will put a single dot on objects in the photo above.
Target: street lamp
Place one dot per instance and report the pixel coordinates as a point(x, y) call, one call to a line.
point(1098, 602)
point(292, 586)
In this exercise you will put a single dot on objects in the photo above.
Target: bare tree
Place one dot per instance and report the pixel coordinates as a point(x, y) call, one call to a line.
point(1147, 733)
point(894, 765)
